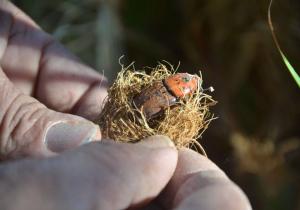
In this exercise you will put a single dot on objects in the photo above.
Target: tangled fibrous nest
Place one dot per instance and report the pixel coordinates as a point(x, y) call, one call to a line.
point(184, 123)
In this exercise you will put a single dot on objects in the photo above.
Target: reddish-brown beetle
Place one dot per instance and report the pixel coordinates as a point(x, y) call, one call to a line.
point(153, 100)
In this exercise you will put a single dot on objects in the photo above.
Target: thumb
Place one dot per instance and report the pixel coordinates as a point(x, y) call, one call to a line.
point(29, 128)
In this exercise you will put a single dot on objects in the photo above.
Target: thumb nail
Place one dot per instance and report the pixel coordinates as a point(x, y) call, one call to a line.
point(67, 135)
point(157, 141)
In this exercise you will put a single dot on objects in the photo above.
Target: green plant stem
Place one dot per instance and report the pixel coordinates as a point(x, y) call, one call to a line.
point(285, 60)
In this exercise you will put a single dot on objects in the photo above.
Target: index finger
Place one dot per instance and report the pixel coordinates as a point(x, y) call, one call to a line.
point(43, 68)
point(199, 184)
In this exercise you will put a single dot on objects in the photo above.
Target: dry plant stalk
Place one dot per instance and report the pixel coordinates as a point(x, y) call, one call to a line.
point(122, 121)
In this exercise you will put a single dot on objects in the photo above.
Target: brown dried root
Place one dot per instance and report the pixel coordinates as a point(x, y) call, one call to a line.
point(121, 121)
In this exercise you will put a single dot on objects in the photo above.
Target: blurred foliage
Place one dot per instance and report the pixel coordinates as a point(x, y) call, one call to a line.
point(256, 138)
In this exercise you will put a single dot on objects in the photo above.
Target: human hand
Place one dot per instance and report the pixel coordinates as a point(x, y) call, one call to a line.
point(198, 184)
point(32, 65)
point(40, 81)
point(109, 175)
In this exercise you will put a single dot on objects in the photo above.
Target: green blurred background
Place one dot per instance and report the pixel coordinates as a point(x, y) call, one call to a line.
point(256, 138)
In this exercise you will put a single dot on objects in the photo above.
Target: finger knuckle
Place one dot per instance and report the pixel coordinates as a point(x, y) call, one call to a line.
point(18, 119)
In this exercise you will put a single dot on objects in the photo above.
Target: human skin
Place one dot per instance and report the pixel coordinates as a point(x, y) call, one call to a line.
point(47, 97)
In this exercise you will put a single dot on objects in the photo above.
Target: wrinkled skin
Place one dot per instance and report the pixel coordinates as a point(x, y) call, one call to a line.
point(47, 98)
point(37, 72)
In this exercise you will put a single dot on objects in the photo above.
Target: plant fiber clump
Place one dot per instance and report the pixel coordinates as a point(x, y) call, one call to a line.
point(122, 121)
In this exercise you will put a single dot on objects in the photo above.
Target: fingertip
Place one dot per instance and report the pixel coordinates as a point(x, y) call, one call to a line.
point(199, 183)
point(157, 141)
point(190, 162)
point(163, 158)
point(69, 134)
point(223, 195)
point(91, 102)
point(159, 167)
point(139, 172)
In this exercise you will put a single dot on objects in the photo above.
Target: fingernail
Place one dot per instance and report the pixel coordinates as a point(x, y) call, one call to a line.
point(157, 141)
point(63, 135)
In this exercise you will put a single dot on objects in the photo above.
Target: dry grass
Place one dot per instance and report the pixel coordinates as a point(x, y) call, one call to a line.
point(122, 121)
